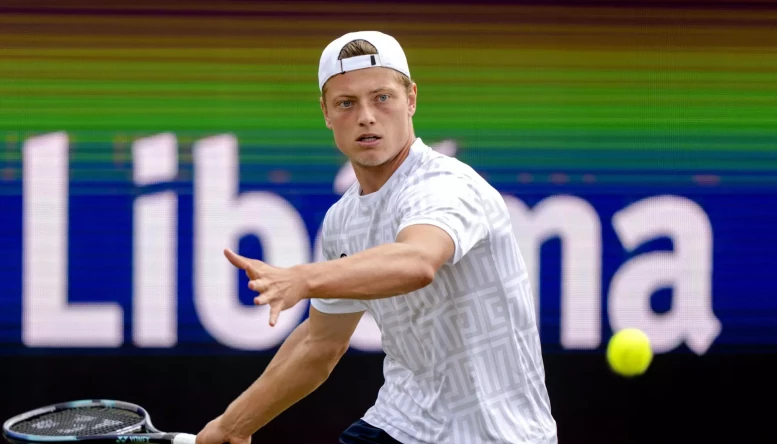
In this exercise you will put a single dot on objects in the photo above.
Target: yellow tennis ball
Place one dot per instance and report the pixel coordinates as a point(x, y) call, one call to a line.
point(629, 352)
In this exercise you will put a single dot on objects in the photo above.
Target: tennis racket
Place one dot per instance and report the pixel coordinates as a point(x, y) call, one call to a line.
point(93, 420)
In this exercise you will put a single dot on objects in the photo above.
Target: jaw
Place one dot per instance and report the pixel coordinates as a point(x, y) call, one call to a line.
point(367, 159)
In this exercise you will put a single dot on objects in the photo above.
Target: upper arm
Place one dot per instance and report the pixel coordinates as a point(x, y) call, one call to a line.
point(443, 203)
point(332, 330)
point(435, 244)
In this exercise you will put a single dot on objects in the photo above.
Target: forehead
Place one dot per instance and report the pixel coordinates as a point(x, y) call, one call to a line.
point(361, 81)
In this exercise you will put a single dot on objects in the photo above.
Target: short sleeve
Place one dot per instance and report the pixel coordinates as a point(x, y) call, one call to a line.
point(450, 202)
point(334, 306)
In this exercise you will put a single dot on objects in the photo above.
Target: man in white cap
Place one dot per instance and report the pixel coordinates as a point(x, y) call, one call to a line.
point(424, 244)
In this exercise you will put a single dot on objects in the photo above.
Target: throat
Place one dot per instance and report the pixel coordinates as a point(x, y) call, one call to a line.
point(372, 178)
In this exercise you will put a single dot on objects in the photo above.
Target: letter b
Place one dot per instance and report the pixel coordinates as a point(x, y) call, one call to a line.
point(222, 217)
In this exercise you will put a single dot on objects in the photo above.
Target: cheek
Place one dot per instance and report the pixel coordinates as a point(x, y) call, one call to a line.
point(342, 130)
point(399, 116)
point(339, 123)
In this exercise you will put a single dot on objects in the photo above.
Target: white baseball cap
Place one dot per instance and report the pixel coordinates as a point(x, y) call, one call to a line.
point(390, 55)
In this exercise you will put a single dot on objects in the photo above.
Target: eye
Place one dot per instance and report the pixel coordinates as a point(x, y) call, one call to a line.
point(383, 97)
point(345, 104)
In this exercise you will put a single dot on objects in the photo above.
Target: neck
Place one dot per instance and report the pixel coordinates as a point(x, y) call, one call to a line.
point(371, 179)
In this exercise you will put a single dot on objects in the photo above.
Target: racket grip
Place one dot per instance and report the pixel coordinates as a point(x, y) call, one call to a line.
point(184, 438)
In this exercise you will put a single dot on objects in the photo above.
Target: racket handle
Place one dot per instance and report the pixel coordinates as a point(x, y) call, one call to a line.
point(184, 438)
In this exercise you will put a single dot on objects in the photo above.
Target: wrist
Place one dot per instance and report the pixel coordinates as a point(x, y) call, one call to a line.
point(305, 274)
point(231, 424)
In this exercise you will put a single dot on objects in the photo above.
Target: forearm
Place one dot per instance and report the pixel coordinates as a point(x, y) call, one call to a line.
point(297, 369)
point(383, 271)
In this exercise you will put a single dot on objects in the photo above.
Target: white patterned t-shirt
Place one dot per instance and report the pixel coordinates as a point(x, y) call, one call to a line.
point(463, 358)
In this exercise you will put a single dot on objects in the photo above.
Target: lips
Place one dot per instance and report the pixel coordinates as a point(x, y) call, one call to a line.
point(368, 137)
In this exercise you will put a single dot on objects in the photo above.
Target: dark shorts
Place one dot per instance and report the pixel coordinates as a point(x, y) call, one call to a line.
point(361, 432)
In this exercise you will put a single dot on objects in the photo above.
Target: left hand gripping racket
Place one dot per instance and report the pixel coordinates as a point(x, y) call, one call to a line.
point(96, 421)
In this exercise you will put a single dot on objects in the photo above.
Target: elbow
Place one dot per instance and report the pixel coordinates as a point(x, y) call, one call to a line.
point(425, 275)
point(336, 351)
point(332, 356)
point(325, 355)
point(421, 269)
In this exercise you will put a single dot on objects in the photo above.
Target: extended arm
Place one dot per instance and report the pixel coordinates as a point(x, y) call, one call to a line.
point(440, 222)
point(301, 365)
point(387, 270)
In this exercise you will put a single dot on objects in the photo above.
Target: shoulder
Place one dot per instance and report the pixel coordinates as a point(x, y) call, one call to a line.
point(437, 173)
point(443, 182)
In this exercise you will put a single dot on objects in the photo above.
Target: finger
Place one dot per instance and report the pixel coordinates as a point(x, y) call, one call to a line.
point(258, 285)
point(237, 260)
point(275, 310)
point(261, 300)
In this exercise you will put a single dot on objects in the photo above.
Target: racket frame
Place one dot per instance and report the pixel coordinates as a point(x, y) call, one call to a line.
point(126, 435)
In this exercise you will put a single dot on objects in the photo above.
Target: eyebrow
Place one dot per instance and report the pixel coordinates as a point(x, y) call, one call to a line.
point(376, 90)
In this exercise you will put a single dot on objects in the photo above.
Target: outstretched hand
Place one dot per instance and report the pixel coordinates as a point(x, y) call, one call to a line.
point(280, 288)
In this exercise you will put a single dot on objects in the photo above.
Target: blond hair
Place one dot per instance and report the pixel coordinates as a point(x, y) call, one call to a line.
point(363, 47)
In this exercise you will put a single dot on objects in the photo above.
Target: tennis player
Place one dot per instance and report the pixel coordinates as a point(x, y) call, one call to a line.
point(424, 244)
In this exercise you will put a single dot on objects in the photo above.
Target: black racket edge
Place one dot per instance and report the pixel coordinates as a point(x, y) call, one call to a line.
point(128, 435)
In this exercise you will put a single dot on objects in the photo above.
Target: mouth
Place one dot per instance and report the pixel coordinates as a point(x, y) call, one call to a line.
point(368, 137)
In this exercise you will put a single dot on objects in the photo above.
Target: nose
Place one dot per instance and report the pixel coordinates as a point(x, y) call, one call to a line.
point(366, 115)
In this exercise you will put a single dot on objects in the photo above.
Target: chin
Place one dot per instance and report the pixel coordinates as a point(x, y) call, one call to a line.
point(368, 158)
point(372, 158)
point(369, 161)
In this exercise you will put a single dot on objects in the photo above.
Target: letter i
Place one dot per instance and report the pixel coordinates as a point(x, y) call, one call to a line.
point(155, 244)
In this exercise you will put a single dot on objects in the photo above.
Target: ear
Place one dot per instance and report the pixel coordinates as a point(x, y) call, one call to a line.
point(325, 111)
point(412, 100)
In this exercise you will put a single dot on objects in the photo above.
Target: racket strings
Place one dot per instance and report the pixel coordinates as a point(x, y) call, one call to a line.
point(79, 422)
